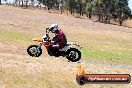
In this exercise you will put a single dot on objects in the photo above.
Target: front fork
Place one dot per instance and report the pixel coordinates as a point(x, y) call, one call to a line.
point(40, 44)
point(37, 50)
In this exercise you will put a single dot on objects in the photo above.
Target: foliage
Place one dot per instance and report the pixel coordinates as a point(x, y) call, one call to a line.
point(104, 10)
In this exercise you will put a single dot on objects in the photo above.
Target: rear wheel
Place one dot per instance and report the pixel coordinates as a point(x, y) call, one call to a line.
point(34, 50)
point(73, 55)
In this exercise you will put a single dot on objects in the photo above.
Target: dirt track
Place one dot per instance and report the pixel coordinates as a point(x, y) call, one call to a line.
point(20, 20)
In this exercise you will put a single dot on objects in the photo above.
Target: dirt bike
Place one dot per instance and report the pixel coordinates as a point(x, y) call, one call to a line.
point(72, 54)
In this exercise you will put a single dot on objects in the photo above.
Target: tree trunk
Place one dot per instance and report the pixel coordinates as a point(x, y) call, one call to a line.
point(67, 11)
point(19, 2)
point(109, 18)
point(82, 13)
point(26, 3)
point(61, 9)
point(80, 9)
point(0, 2)
point(120, 18)
point(73, 12)
point(61, 6)
point(99, 16)
point(90, 14)
point(120, 23)
point(22, 3)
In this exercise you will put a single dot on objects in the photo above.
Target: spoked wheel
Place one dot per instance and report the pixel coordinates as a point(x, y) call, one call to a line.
point(73, 55)
point(34, 50)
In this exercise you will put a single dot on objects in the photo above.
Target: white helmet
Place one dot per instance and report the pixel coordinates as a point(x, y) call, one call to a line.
point(54, 28)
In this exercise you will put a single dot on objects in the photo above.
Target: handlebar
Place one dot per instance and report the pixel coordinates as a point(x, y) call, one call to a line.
point(47, 35)
point(47, 30)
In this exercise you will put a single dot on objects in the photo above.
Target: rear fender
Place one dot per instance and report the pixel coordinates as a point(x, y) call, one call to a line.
point(75, 44)
point(37, 39)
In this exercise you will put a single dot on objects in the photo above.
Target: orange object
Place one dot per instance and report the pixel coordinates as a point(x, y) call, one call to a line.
point(81, 71)
point(37, 39)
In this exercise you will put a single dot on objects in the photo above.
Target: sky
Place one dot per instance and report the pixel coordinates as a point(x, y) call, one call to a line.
point(130, 3)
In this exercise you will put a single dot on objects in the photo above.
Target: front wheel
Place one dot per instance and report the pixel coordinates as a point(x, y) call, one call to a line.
point(34, 50)
point(73, 55)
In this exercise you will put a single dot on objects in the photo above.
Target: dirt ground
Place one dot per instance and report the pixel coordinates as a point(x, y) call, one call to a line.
point(33, 22)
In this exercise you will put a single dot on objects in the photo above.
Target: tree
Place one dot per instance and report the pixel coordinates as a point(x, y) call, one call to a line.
point(104, 10)
point(32, 2)
point(61, 4)
point(80, 6)
point(22, 3)
point(98, 8)
point(72, 6)
point(88, 8)
point(121, 11)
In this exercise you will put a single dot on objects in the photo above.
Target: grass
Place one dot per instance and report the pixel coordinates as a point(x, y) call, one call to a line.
point(98, 45)
point(15, 37)
point(15, 75)
point(108, 57)
point(28, 72)
point(13, 79)
point(103, 47)
point(96, 48)
point(20, 74)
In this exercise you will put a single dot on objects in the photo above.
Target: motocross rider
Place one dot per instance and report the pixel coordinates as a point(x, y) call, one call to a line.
point(59, 40)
